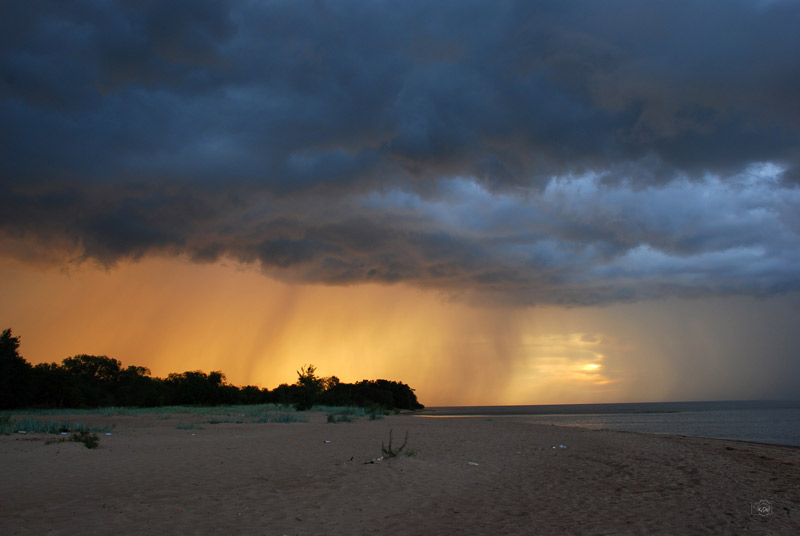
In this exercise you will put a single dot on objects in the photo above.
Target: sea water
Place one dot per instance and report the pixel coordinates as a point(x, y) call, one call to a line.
point(776, 422)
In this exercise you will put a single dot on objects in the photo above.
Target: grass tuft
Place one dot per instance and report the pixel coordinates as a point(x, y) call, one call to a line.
point(389, 452)
point(90, 440)
point(6, 423)
point(224, 419)
point(353, 411)
point(188, 426)
point(166, 411)
point(10, 425)
point(376, 413)
point(281, 417)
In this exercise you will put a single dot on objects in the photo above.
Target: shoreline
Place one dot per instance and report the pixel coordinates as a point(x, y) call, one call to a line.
point(761, 421)
point(181, 474)
point(657, 434)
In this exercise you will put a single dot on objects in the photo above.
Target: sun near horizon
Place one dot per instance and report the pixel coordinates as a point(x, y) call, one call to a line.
point(176, 316)
point(493, 202)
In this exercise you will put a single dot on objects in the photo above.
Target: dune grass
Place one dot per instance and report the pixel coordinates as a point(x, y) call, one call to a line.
point(10, 425)
point(225, 419)
point(348, 413)
point(352, 411)
point(246, 410)
point(253, 413)
point(243, 411)
point(189, 426)
point(282, 417)
point(220, 413)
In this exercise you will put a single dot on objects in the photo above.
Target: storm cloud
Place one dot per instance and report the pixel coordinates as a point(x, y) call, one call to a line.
point(570, 152)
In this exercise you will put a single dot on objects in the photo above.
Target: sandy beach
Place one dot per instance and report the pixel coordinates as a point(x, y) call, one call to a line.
point(178, 474)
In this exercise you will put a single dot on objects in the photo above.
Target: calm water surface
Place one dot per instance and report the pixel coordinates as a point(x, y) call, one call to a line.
point(776, 422)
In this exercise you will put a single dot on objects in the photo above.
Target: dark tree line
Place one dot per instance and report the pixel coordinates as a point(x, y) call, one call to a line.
point(88, 381)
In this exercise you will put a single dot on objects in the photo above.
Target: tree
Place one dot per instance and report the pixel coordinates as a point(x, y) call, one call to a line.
point(330, 383)
point(91, 381)
point(310, 387)
point(307, 377)
point(15, 374)
point(137, 388)
point(93, 367)
point(96, 376)
point(190, 388)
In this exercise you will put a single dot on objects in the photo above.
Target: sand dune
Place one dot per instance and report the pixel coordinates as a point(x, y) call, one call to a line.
point(467, 476)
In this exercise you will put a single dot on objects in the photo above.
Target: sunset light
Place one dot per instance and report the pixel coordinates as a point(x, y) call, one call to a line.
point(532, 205)
point(400, 267)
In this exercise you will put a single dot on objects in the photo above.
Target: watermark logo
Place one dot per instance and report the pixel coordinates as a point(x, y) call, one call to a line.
point(762, 508)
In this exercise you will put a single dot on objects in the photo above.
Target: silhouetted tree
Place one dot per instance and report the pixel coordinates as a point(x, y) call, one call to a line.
point(15, 374)
point(252, 395)
point(189, 388)
point(96, 376)
point(55, 387)
point(310, 387)
point(284, 394)
point(90, 381)
point(93, 367)
point(330, 383)
point(137, 388)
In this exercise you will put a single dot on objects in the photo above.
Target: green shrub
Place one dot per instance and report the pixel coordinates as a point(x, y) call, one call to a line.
point(6, 423)
point(341, 410)
point(9, 425)
point(90, 440)
point(282, 417)
point(376, 412)
point(188, 426)
point(221, 420)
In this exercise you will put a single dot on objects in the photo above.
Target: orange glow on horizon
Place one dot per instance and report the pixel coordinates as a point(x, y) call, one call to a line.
point(174, 316)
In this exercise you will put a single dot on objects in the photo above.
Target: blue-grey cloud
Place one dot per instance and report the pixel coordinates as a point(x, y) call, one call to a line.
point(557, 152)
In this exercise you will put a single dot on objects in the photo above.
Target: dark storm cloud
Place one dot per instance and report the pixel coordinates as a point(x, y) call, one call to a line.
point(448, 144)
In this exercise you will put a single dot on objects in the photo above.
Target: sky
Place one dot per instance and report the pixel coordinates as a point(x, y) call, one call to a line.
point(495, 202)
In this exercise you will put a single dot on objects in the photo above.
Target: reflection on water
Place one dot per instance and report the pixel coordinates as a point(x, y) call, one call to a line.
point(761, 421)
